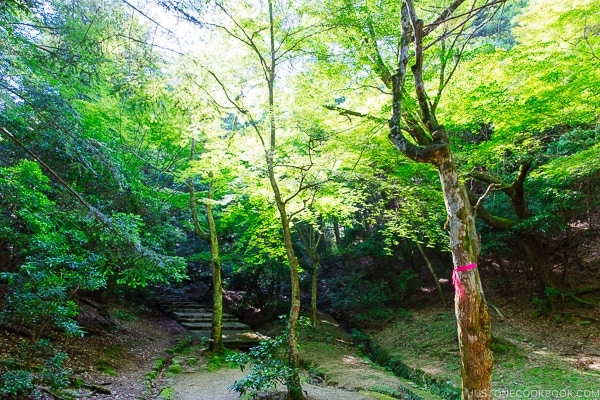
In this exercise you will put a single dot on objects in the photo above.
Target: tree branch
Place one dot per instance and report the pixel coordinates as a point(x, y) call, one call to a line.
point(348, 113)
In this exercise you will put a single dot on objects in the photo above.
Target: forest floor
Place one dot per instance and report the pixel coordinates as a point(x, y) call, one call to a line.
point(137, 357)
point(153, 357)
point(150, 357)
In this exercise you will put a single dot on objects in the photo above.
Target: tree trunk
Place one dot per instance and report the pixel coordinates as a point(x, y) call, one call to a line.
point(336, 231)
point(538, 259)
point(472, 315)
point(216, 329)
point(433, 273)
point(212, 238)
point(293, 384)
point(530, 238)
point(474, 335)
point(313, 293)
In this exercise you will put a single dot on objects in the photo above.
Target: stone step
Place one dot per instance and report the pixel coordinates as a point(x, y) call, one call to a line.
point(192, 310)
point(197, 319)
point(198, 316)
point(234, 339)
point(203, 319)
point(227, 325)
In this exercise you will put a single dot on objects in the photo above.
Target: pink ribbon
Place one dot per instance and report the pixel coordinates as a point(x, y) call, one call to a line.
point(456, 280)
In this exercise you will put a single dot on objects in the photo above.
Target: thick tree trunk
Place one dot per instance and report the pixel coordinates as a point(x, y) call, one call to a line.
point(472, 315)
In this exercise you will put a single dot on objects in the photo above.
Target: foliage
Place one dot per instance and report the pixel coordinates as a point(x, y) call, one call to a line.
point(363, 302)
point(112, 115)
point(167, 393)
point(54, 261)
point(269, 364)
point(34, 366)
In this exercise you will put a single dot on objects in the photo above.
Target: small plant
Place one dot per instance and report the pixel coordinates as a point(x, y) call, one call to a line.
point(387, 391)
point(219, 359)
point(269, 365)
point(192, 361)
point(16, 382)
point(52, 373)
point(167, 393)
point(150, 376)
point(175, 369)
point(182, 346)
point(158, 364)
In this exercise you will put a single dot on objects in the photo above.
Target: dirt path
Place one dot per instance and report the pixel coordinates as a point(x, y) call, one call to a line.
point(205, 385)
point(334, 368)
point(333, 365)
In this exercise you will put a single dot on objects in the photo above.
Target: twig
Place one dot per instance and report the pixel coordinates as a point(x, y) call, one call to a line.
point(491, 187)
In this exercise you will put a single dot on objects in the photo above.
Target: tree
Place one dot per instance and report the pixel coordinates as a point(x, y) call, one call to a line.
point(416, 116)
point(471, 311)
point(519, 121)
point(216, 336)
point(269, 38)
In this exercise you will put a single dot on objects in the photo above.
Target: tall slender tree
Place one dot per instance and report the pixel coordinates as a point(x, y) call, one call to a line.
point(216, 330)
point(270, 38)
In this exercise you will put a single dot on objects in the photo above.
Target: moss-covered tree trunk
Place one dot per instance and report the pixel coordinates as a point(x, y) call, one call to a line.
point(211, 237)
point(216, 330)
point(311, 237)
point(293, 382)
point(471, 311)
point(314, 292)
point(433, 147)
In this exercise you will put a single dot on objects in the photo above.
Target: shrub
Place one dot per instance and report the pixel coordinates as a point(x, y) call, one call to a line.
point(50, 372)
point(269, 364)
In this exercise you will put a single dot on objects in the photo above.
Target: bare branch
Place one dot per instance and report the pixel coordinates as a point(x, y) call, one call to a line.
point(348, 113)
point(493, 186)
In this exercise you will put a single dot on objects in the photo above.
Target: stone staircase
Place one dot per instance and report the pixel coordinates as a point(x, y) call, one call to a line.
point(198, 319)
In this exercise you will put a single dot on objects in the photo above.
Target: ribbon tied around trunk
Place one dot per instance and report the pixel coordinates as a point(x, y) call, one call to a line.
point(456, 279)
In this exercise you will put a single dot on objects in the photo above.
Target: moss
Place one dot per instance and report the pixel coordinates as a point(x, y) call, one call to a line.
point(175, 369)
point(383, 357)
point(158, 364)
point(167, 393)
point(105, 367)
